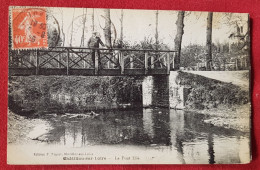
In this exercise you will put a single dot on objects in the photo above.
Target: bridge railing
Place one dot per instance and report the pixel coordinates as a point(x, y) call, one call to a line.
point(91, 61)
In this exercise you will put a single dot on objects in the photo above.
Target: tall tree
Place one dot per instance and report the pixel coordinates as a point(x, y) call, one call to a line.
point(84, 27)
point(178, 39)
point(157, 64)
point(93, 20)
point(156, 30)
point(62, 30)
point(107, 29)
point(121, 23)
point(209, 42)
point(72, 28)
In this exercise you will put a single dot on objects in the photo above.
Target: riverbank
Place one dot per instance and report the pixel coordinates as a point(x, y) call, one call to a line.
point(236, 117)
point(22, 130)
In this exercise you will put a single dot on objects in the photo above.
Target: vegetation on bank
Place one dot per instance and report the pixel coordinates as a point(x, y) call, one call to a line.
point(206, 93)
point(36, 92)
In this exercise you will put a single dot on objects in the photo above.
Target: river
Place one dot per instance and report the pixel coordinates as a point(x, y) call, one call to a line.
point(177, 132)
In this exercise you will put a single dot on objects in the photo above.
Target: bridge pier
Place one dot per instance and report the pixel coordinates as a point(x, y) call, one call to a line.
point(163, 91)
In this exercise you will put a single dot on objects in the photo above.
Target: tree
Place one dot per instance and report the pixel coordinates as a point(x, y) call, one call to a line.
point(72, 27)
point(239, 38)
point(83, 28)
point(121, 23)
point(209, 42)
point(93, 20)
point(107, 29)
point(178, 38)
point(156, 30)
point(62, 30)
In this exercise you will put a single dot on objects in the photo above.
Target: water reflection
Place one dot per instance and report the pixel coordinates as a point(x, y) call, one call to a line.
point(170, 130)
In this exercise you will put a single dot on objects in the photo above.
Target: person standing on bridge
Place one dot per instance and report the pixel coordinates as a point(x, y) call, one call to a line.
point(94, 42)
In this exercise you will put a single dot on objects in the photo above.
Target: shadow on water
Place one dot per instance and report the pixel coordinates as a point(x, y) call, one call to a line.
point(194, 140)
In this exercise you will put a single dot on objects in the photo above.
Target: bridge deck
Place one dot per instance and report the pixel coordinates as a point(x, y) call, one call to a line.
point(84, 72)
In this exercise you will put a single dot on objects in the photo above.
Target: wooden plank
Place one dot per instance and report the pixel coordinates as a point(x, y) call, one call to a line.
point(21, 71)
point(134, 71)
point(157, 72)
point(110, 72)
point(105, 49)
point(84, 72)
point(53, 71)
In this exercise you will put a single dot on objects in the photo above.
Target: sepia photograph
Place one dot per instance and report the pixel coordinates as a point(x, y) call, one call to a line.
point(128, 86)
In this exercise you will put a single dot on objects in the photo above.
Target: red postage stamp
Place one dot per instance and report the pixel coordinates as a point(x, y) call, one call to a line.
point(29, 28)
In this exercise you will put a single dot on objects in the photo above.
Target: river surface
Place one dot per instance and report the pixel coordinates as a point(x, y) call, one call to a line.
point(183, 133)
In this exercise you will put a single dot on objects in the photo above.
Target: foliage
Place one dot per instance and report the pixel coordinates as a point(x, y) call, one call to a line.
point(205, 93)
point(221, 56)
point(72, 93)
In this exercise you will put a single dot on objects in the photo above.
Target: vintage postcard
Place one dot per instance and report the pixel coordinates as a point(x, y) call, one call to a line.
point(121, 86)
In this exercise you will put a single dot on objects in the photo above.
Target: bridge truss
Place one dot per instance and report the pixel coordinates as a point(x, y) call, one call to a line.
point(78, 61)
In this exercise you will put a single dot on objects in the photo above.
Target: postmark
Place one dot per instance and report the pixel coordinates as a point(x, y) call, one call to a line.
point(29, 28)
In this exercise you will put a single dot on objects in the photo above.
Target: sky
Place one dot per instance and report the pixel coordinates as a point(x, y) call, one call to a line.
point(138, 24)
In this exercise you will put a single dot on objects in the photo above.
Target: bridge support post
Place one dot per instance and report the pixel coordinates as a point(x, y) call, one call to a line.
point(173, 59)
point(146, 62)
point(131, 62)
point(168, 64)
point(68, 56)
point(37, 62)
point(122, 62)
point(152, 62)
point(96, 63)
point(59, 60)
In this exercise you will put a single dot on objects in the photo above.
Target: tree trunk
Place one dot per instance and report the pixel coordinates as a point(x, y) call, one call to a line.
point(62, 30)
point(156, 30)
point(83, 28)
point(72, 28)
point(107, 29)
point(121, 22)
point(157, 64)
point(209, 42)
point(178, 39)
point(93, 20)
